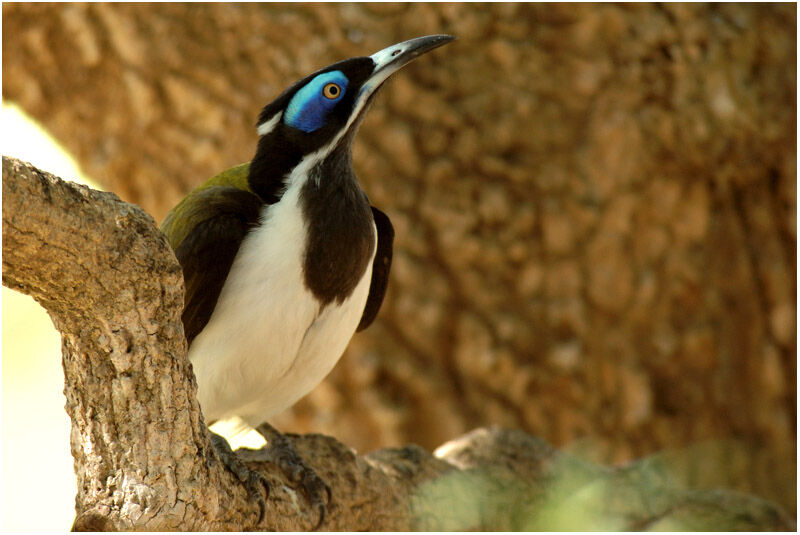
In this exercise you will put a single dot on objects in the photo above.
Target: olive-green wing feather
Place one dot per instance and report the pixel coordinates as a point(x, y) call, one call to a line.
point(205, 230)
point(189, 212)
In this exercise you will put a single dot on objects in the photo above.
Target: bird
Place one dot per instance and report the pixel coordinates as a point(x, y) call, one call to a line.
point(284, 258)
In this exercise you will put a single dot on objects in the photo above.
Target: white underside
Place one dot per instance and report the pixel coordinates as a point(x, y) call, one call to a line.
point(267, 344)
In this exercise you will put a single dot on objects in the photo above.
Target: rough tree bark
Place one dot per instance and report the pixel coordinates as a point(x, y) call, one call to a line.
point(595, 204)
point(113, 288)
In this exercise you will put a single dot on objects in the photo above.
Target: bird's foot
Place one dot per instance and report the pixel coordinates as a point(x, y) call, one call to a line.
point(284, 455)
point(252, 480)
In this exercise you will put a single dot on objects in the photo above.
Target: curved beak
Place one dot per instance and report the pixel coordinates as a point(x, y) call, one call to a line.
point(390, 59)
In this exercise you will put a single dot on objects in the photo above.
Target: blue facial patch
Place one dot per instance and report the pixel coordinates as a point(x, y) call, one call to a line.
point(310, 106)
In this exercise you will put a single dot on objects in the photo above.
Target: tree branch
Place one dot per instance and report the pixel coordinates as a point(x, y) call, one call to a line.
point(113, 288)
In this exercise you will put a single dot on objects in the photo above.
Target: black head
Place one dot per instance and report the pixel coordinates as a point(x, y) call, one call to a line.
point(322, 111)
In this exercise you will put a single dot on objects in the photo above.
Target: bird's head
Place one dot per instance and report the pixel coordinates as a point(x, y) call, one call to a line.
point(320, 113)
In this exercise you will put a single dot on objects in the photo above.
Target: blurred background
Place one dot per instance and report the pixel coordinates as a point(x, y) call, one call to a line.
point(595, 208)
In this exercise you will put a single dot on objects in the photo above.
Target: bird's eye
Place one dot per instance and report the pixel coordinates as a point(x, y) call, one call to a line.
point(331, 91)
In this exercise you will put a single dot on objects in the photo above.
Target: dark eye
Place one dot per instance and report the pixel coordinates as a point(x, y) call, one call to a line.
point(331, 91)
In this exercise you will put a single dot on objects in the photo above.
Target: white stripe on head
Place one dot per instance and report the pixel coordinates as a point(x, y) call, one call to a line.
point(268, 126)
point(302, 170)
point(309, 161)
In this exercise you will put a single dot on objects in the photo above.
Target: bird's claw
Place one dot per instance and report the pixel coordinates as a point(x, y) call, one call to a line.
point(253, 481)
point(300, 475)
point(312, 486)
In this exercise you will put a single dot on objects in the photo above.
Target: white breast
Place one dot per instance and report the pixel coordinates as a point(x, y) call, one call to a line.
point(267, 344)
